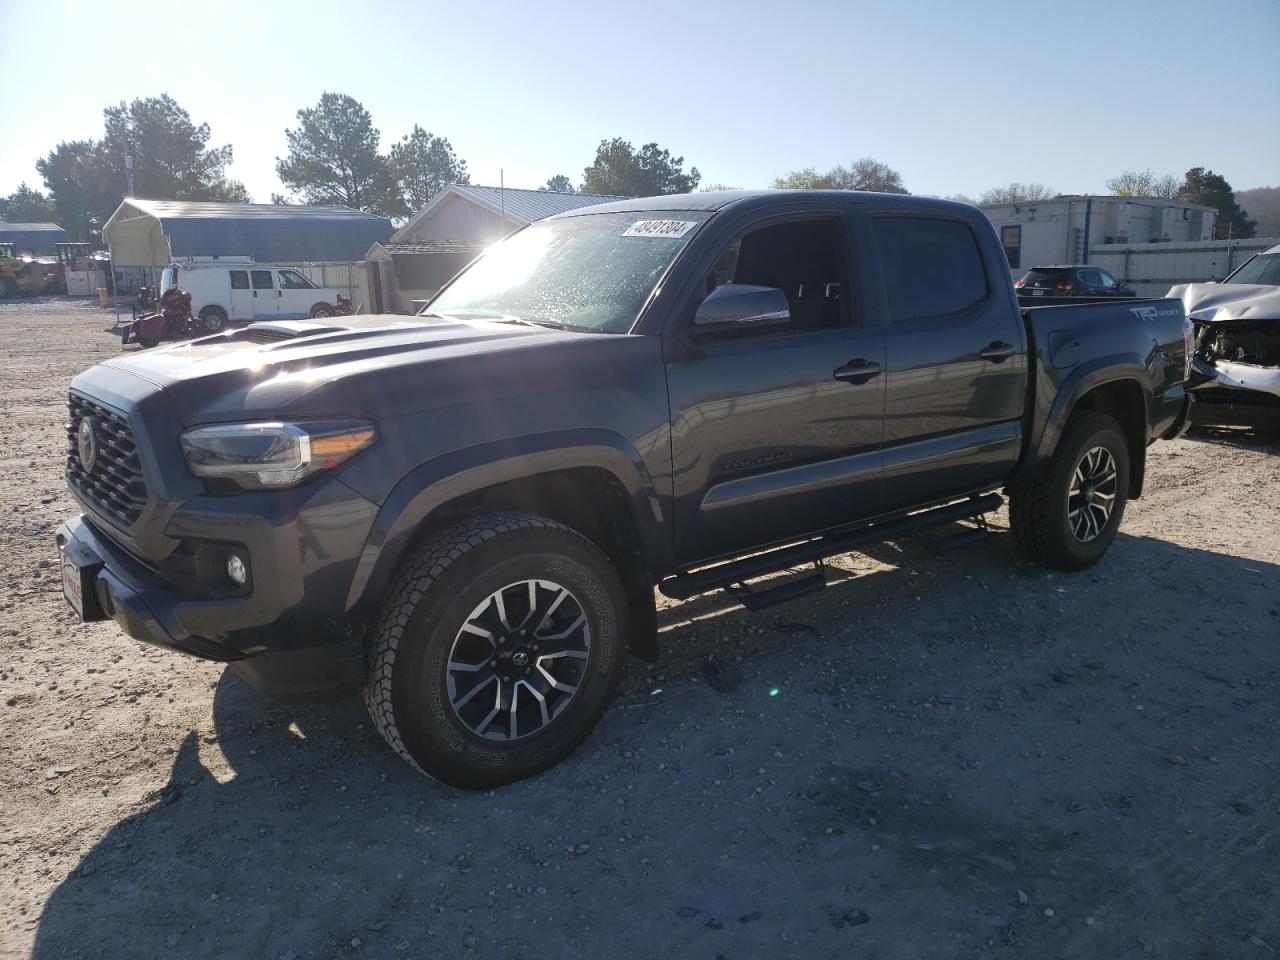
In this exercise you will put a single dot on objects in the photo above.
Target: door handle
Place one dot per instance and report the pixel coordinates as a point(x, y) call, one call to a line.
point(857, 371)
point(997, 352)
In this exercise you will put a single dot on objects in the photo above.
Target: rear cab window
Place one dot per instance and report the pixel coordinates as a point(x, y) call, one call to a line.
point(239, 279)
point(931, 267)
point(261, 279)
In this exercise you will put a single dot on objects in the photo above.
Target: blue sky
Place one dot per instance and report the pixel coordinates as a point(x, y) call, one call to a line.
point(958, 96)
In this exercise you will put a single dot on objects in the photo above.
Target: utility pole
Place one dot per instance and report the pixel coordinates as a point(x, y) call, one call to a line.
point(128, 169)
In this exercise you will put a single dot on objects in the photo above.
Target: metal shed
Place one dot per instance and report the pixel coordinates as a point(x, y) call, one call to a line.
point(37, 238)
point(152, 233)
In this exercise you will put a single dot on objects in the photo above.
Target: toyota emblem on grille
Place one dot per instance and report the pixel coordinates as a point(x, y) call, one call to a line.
point(87, 442)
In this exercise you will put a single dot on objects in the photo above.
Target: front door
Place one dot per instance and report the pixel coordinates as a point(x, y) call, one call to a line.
point(295, 295)
point(265, 306)
point(241, 296)
point(776, 431)
point(956, 380)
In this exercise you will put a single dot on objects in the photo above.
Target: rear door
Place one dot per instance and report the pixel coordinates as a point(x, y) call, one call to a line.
point(956, 359)
point(241, 295)
point(295, 295)
point(265, 306)
point(773, 436)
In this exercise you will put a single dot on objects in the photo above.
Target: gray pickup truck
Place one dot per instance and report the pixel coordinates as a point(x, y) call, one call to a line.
point(467, 512)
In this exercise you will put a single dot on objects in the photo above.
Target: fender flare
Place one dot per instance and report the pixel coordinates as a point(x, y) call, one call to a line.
point(1086, 377)
point(439, 481)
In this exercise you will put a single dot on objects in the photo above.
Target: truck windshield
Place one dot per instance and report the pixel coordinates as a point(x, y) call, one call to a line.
point(591, 272)
point(1264, 268)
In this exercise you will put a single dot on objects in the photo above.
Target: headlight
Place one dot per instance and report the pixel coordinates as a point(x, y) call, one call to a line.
point(273, 455)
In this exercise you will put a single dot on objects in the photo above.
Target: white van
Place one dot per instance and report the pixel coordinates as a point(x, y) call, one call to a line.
point(244, 291)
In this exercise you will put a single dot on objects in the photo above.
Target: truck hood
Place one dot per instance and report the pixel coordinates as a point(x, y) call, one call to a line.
point(303, 367)
point(1220, 302)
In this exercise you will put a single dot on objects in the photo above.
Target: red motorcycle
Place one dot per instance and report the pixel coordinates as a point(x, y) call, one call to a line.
point(173, 321)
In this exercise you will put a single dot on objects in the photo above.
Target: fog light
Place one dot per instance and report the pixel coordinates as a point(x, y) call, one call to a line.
point(236, 570)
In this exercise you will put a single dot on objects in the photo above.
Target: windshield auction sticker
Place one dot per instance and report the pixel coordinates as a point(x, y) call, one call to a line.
point(659, 228)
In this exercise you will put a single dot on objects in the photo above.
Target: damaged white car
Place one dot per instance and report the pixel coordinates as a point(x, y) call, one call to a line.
point(1236, 367)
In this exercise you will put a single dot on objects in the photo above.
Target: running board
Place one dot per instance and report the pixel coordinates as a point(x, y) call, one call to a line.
point(732, 576)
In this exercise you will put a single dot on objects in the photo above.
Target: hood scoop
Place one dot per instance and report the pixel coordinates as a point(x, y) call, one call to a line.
point(274, 331)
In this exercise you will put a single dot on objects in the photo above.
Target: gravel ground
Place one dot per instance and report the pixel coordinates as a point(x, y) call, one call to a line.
point(944, 755)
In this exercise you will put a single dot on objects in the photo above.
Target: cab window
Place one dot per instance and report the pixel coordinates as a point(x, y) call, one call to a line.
point(293, 280)
point(805, 259)
point(261, 279)
point(931, 267)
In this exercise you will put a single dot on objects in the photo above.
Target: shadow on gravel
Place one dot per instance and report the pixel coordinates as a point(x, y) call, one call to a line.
point(987, 807)
point(1260, 440)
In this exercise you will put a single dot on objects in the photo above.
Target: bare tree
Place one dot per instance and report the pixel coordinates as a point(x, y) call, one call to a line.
point(1017, 193)
point(1144, 183)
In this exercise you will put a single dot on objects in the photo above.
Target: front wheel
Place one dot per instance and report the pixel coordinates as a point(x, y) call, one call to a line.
point(499, 646)
point(321, 311)
point(1066, 514)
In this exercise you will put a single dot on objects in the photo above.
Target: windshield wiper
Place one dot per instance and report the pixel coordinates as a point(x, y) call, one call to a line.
point(549, 324)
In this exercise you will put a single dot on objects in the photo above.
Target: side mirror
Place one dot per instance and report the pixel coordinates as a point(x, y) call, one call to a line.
point(738, 306)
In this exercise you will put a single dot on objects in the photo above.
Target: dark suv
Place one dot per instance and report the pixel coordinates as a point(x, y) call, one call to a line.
point(467, 512)
point(1077, 280)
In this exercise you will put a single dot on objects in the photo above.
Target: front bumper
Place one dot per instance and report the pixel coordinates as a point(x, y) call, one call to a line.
point(284, 633)
point(1236, 394)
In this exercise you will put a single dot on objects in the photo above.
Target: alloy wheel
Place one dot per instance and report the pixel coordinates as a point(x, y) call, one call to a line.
point(518, 660)
point(1091, 497)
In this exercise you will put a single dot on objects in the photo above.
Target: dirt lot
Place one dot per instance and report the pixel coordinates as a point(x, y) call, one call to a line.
point(942, 756)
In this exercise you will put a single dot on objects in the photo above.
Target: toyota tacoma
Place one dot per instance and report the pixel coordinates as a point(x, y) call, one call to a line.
point(467, 512)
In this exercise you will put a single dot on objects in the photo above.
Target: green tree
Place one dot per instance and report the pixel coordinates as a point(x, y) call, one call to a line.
point(25, 205)
point(621, 170)
point(333, 158)
point(558, 184)
point(806, 178)
point(1017, 193)
point(1211, 189)
point(1144, 183)
point(864, 174)
point(422, 165)
point(1264, 204)
point(172, 160)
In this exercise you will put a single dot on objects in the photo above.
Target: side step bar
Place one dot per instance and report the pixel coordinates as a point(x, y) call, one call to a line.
point(732, 576)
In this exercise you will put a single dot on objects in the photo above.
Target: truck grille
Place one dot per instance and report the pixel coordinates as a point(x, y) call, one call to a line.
point(114, 485)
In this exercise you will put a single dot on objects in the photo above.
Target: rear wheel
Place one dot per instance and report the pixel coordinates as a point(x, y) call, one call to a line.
point(7, 287)
point(213, 319)
point(1067, 513)
point(498, 649)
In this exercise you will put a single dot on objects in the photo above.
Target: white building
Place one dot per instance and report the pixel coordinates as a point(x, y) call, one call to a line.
point(1062, 230)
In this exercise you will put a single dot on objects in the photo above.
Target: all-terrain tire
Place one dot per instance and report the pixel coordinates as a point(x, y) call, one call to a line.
point(213, 319)
point(1039, 506)
point(435, 591)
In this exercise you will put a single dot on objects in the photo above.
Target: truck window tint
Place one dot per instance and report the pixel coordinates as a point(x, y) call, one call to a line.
point(804, 259)
point(293, 280)
point(931, 268)
point(261, 279)
point(239, 279)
